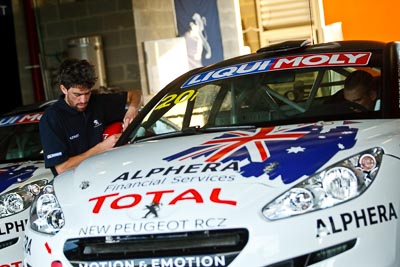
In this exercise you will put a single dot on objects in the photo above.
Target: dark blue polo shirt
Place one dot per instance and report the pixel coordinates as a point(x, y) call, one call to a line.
point(66, 132)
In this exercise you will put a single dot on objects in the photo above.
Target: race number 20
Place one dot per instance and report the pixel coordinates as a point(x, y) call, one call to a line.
point(168, 100)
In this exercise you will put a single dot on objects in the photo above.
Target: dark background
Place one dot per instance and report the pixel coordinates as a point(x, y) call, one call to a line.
point(10, 85)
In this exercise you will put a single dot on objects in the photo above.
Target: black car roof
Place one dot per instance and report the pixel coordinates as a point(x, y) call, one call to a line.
point(302, 47)
point(40, 106)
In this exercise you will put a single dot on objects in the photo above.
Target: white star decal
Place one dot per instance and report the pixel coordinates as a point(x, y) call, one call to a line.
point(296, 149)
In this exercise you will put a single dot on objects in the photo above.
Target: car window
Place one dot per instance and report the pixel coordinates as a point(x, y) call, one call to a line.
point(267, 97)
point(20, 141)
point(176, 111)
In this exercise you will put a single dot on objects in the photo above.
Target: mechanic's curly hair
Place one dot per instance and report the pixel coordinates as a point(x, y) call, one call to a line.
point(77, 72)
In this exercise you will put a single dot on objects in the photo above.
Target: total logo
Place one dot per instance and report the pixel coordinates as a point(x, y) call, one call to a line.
point(171, 197)
point(12, 264)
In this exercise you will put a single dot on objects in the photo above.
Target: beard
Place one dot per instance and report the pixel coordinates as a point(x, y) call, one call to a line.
point(80, 106)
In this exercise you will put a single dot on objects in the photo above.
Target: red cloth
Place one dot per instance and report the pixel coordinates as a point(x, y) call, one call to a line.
point(112, 129)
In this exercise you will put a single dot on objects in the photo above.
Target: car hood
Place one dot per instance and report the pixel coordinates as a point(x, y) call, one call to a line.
point(16, 174)
point(223, 175)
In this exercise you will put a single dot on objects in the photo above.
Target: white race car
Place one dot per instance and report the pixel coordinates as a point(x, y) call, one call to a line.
point(255, 161)
point(22, 174)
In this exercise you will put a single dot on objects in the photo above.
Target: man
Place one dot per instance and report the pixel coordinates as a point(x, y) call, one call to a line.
point(359, 87)
point(71, 129)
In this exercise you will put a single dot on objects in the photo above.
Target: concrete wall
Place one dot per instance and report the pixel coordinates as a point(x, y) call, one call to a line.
point(231, 29)
point(123, 25)
point(155, 19)
point(58, 21)
point(110, 19)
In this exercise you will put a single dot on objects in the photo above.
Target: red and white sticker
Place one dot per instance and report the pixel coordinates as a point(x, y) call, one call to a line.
point(282, 63)
point(21, 119)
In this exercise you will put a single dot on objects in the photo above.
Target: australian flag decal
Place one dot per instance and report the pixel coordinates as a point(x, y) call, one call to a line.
point(15, 173)
point(288, 152)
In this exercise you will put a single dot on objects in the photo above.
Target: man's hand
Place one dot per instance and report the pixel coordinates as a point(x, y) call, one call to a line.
point(130, 114)
point(134, 99)
point(108, 143)
point(74, 161)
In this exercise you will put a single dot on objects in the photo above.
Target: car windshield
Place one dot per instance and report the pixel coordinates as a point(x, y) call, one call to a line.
point(207, 101)
point(19, 138)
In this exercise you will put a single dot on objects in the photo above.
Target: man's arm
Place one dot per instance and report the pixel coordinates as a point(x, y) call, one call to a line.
point(74, 161)
point(134, 101)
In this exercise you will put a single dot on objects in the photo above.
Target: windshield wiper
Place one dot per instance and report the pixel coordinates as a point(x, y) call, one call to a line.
point(226, 128)
point(196, 130)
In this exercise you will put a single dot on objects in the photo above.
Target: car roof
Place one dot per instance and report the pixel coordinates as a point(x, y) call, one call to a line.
point(301, 47)
point(40, 106)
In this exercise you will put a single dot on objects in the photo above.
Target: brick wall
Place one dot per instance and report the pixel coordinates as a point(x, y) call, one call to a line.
point(111, 19)
point(123, 25)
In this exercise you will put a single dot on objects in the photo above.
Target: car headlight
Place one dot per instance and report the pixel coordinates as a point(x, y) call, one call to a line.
point(46, 214)
point(19, 199)
point(332, 186)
